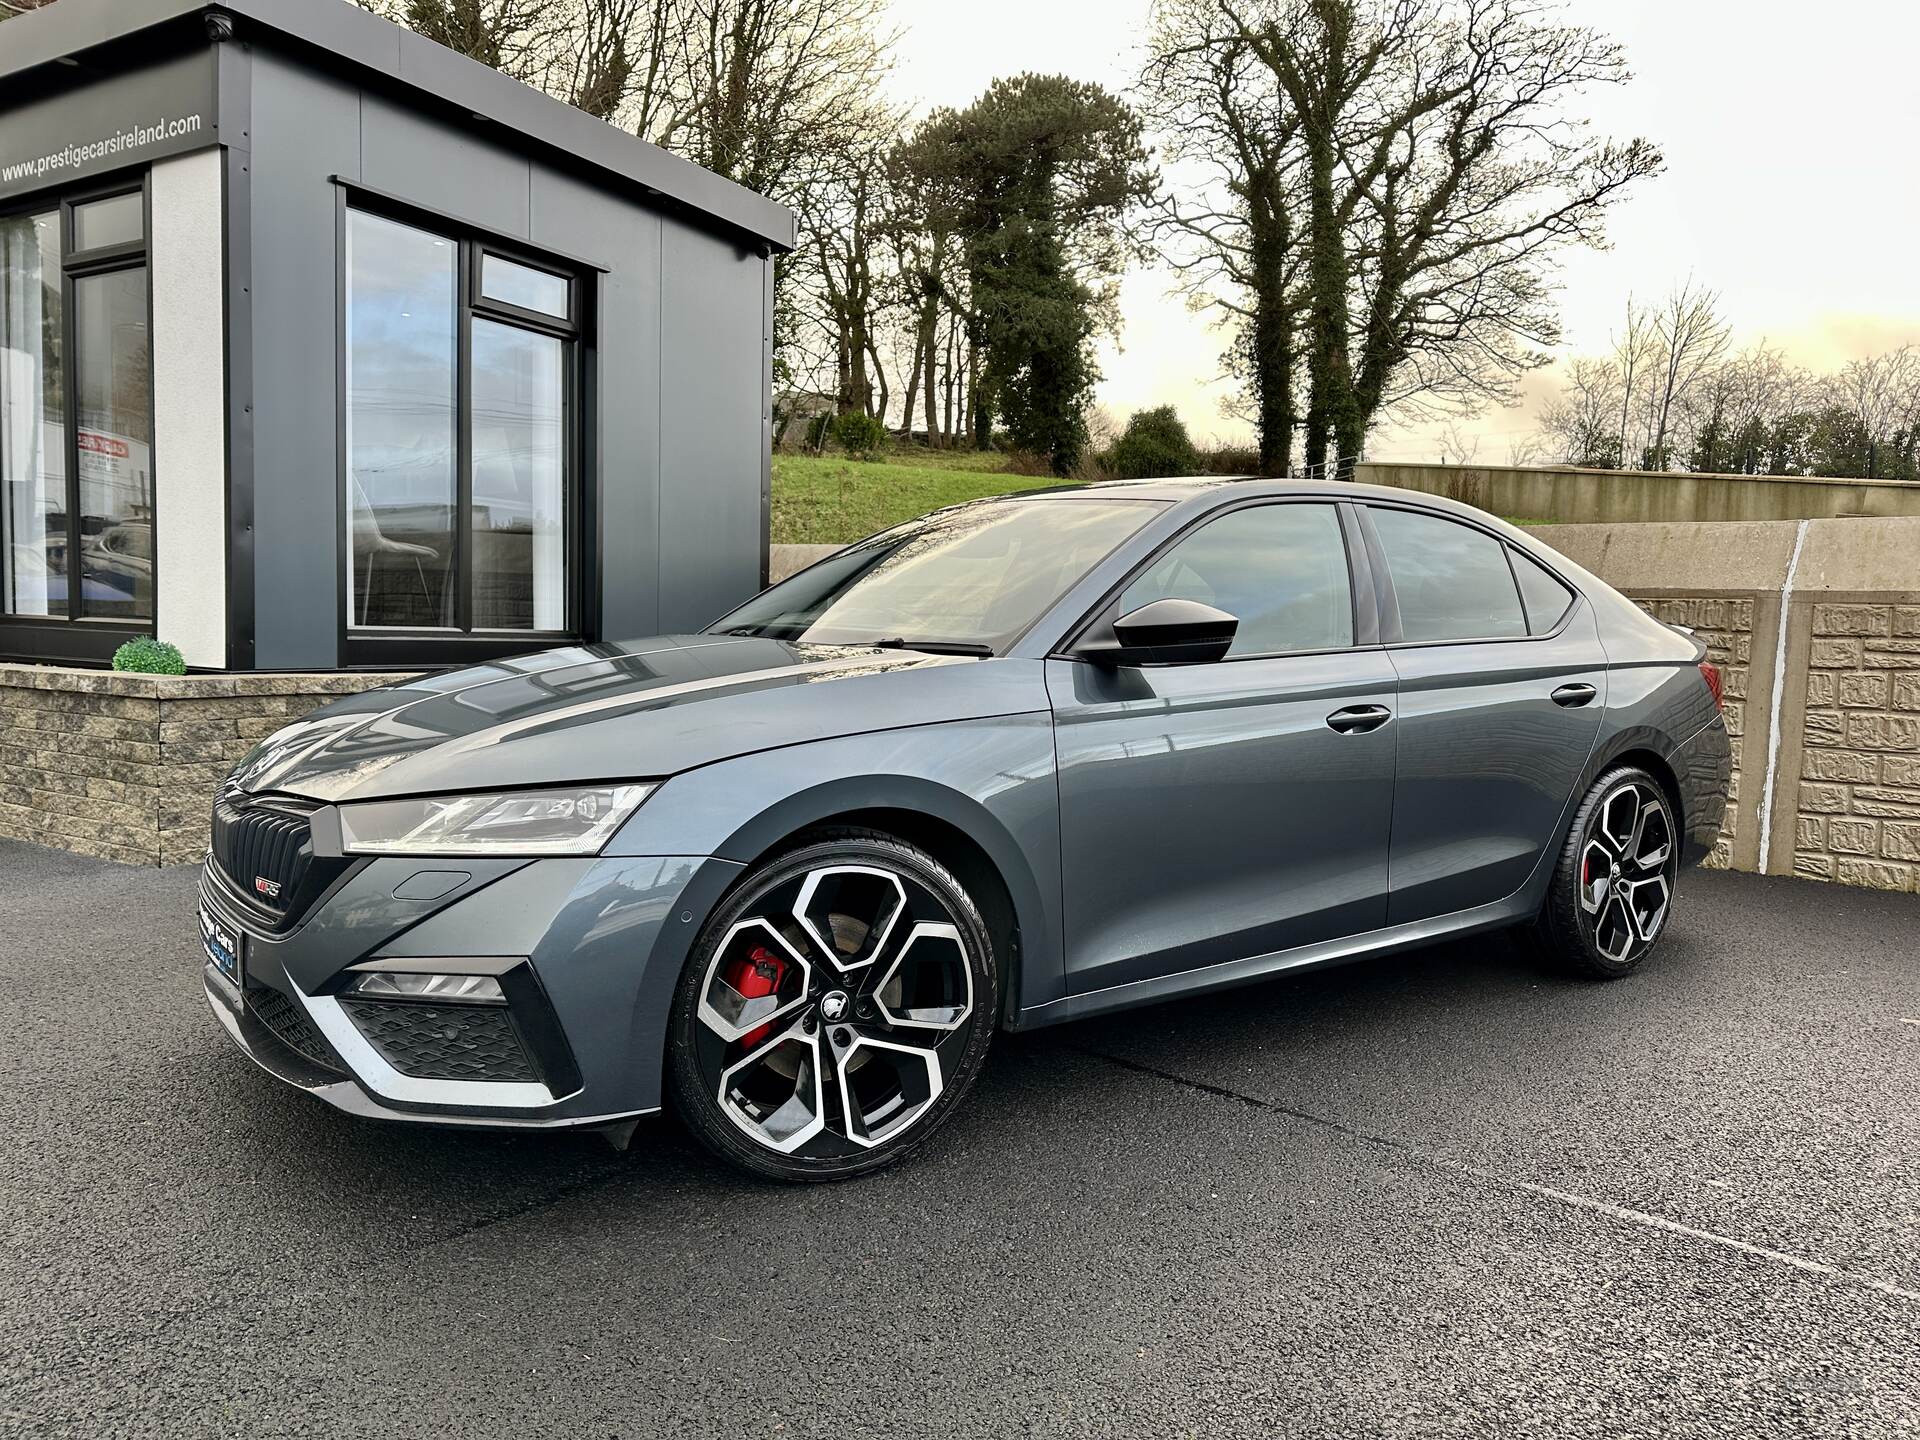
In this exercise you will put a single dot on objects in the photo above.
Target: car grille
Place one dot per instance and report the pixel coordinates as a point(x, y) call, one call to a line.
point(264, 847)
point(443, 1042)
point(288, 1020)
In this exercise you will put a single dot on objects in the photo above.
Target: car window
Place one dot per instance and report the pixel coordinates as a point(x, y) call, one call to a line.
point(1541, 591)
point(1452, 580)
point(1281, 570)
point(974, 574)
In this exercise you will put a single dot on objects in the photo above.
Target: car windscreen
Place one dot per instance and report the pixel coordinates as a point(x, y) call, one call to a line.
point(977, 574)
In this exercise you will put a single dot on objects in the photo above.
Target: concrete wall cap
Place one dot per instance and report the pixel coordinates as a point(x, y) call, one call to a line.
point(1854, 557)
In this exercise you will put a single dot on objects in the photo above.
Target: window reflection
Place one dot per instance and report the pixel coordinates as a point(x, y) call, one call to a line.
point(1281, 570)
point(33, 473)
point(114, 441)
point(118, 220)
point(524, 286)
point(976, 574)
point(519, 462)
point(402, 411)
point(1453, 582)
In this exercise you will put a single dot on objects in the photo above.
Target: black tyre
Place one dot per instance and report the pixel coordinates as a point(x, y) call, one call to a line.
point(1613, 886)
point(835, 1010)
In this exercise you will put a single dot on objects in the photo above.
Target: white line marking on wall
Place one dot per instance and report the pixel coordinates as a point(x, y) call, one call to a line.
point(1779, 694)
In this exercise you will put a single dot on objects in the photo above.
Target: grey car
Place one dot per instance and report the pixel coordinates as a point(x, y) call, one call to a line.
point(1020, 761)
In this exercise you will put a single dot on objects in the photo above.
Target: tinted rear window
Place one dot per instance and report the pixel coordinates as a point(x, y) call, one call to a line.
point(1452, 580)
point(1545, 597)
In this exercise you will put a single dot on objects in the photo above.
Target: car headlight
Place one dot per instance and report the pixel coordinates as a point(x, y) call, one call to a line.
point(574, 821)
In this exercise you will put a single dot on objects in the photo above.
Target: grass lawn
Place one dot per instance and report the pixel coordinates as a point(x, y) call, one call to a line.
point(829, 499)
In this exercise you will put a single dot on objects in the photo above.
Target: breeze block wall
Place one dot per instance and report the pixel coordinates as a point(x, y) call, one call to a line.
point(1826, 774)
point(1859, 811)
point(1726, 625)
point(124, 767)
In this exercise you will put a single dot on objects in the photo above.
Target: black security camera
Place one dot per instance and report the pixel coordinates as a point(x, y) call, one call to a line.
point(219, 26)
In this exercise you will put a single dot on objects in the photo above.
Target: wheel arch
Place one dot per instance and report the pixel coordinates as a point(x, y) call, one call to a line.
point(1646, 748)
point(953, 828)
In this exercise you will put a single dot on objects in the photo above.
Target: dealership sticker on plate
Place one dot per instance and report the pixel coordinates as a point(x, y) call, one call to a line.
point(223, 950)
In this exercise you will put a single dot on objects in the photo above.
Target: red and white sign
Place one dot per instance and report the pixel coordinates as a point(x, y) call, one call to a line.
point(99, 444)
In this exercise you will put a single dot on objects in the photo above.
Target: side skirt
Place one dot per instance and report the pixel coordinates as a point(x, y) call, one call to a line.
point(1411, 936)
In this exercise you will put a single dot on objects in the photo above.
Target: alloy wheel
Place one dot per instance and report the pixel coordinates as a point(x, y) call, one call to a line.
point(833, 1012)
point(1627, 860)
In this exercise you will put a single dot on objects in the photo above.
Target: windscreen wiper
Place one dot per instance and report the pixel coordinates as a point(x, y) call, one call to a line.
point(934, 647)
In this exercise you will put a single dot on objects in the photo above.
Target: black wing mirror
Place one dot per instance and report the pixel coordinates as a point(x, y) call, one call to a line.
point(1166, 632)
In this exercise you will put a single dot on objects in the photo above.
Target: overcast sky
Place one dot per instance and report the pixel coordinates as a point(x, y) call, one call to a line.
point(1789, 128)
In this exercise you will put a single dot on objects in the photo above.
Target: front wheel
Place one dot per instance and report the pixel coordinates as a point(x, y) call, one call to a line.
point(1612, 889)
point(834, 1010)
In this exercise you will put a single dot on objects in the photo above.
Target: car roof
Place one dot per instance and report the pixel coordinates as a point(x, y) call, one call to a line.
point(1175, 488)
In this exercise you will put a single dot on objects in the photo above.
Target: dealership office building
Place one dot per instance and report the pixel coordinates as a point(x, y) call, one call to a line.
point(324, 348)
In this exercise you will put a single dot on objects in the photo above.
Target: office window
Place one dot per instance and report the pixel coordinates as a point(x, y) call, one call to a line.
point(461, 485)
point(76, 413)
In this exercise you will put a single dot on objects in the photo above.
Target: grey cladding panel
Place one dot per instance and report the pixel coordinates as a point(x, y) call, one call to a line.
point(443, 167)
point(712, 388)
point(305, 129)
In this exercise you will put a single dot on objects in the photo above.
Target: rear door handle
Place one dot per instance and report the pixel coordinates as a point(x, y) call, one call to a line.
point(1358, 719)
point(1574, 696)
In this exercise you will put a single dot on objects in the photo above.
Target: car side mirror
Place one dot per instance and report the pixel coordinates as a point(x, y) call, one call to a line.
point(1166, 632)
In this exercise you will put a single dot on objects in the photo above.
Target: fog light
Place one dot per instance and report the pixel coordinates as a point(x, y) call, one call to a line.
point(479, 989)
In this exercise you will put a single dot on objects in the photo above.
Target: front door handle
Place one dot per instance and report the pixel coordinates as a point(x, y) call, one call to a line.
point(1574, 696)
point(1358, 719)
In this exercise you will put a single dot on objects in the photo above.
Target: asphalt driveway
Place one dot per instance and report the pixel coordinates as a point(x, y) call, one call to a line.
point(1438, 1195)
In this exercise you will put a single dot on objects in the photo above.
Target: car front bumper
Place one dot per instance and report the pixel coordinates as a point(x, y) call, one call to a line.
point(588, 952)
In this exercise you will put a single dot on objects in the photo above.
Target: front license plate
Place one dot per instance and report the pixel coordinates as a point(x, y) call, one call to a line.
point(222, 947)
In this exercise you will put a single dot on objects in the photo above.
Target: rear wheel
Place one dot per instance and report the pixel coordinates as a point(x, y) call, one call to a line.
point(835, 1010)
point(1612, 889)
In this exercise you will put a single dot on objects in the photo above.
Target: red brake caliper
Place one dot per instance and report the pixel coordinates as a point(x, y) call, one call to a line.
point(754, 976)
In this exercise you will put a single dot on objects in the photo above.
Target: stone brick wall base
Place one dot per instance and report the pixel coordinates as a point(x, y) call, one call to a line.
point(124, 767)
point(1827, 772)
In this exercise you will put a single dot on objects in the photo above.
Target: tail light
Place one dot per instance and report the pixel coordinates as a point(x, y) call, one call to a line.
point(1710, 672)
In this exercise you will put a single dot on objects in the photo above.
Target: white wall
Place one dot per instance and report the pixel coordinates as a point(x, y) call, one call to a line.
point(189, 408)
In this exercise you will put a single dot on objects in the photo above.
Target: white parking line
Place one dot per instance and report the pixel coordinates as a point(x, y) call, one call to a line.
point(1546, 1192)
point(1674, 1227)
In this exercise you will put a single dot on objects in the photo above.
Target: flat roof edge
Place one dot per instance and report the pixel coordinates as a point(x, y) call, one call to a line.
point(360, 40)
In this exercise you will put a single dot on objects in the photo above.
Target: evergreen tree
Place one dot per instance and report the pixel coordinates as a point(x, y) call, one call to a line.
point(1040, 171)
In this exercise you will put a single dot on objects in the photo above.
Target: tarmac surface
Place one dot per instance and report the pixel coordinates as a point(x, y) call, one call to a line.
point(1442, 1194)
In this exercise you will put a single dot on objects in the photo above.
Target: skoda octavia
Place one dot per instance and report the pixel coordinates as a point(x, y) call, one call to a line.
point(1019, 761)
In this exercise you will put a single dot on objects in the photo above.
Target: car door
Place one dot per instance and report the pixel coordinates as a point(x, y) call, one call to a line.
point(1210, 812)
point(1502, 683)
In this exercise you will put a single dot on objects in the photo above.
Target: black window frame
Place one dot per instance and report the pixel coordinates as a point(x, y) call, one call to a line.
point(1097, 625)
point(401, 648)
point(75, 636)
point(1388, 598)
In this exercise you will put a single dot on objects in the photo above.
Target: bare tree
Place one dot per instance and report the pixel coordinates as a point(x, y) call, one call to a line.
point(768, 92)
point(1689, 341)
point(1441, 174)
point(1881, 393)
point(1633, 358)
point(1583, 422)
point(1525, 451)
point(1457, 447)
point(1232, 232)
